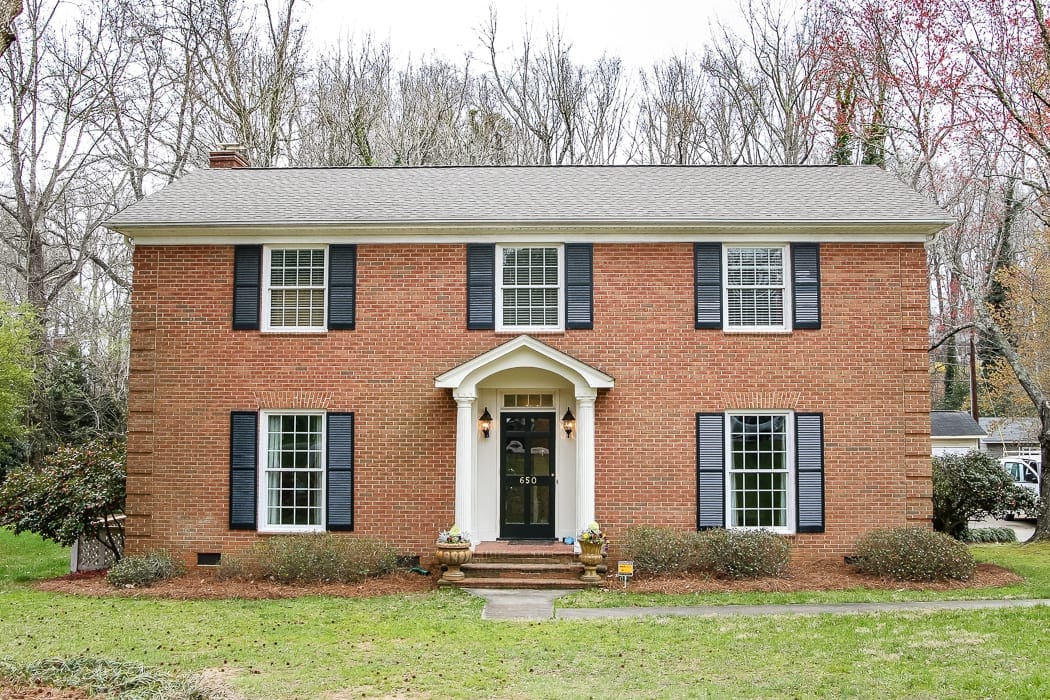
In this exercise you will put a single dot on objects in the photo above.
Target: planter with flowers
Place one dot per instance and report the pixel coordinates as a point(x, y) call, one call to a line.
point(592, 541)
point(453, 550)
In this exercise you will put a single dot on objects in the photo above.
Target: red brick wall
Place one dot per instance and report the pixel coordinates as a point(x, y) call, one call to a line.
point(865, 370)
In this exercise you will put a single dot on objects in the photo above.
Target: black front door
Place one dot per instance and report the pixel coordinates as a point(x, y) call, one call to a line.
point(527, 475)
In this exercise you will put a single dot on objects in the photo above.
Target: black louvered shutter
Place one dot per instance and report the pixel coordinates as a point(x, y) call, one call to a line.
point(342, 286)
point(805, 294)
point(247, 276)
point(710, 471)
point(244, 450)
point(481, 286)
point(339, 466)
point(707, 279)
point(809, 470)
point(579, 285)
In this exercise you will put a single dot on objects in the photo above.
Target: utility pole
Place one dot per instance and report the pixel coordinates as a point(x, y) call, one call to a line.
point(973, 379)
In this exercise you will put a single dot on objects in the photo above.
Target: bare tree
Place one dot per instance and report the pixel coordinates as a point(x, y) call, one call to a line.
point(9, 9)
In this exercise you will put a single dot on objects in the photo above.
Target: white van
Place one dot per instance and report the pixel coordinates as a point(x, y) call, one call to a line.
point(1025, 471)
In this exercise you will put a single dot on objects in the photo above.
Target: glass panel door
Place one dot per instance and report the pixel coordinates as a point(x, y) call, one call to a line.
point(527, 475)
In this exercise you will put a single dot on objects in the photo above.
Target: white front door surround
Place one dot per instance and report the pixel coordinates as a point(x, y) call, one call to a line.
point(524, 352)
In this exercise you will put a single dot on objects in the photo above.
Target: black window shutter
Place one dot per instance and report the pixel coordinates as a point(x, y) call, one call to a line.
point(481, 286)
point(247, 274)
point(809, 470)
point(342, 286)
point(339, 477)
point(579, 285)
point(244, 450)
point(805, 275)
point(707, 279)
point(710, 471)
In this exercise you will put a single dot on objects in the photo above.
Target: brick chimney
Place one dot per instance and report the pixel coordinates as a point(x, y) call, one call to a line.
point(228, 155)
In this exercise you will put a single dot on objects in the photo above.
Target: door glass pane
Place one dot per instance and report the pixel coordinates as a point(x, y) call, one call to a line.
point(541, 499)
point(514, 458)
point(541, 425)
point(514, 505)
point(541, 457)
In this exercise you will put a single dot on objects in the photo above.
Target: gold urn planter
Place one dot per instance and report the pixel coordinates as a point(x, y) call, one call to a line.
point(452, 555)
point(590, 557)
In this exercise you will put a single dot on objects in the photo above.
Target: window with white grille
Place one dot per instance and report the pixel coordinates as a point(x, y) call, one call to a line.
point(756, 288)
point(530, 288)
point(759, 470)
point(292, 472)
point(295, 293)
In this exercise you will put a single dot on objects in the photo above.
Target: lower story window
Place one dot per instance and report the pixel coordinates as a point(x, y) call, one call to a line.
point(759, 469)
point(293, 471)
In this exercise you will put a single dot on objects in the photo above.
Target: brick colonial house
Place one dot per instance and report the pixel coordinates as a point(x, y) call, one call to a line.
point(521, 350)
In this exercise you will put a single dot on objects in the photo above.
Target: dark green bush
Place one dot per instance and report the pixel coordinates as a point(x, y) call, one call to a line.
point(993, 535)
point(746, 553)
point(312, 558)
point(973, 486)
point(914, 554)
point(144, 570)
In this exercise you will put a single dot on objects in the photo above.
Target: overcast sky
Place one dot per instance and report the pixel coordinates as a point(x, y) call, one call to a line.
point(638, 31)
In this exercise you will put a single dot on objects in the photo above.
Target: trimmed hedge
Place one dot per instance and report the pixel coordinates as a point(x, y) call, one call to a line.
point(914, 554)
point(727, 553)
point(994, 535)
point(144, 570)
point(312, 558)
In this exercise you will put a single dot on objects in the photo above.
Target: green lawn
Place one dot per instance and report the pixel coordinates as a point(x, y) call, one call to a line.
point(436, 645)
point(27, 557)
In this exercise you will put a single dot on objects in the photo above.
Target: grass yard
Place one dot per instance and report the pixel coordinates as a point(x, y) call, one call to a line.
point(436, 645)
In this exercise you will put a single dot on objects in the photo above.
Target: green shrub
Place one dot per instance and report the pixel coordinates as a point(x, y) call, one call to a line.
point(312, 558)
point(994, 535)
point(746, 553)
point(657, 550)
point(974, 486)
point(144, 570)
point(914, 554)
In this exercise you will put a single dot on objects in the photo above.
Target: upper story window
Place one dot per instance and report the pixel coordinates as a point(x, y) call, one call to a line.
point(294, 288)
point(529, 288)
point(756, 288)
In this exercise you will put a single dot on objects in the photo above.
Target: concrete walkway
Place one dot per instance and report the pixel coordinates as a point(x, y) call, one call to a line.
point(517, 603)
point(530, 605)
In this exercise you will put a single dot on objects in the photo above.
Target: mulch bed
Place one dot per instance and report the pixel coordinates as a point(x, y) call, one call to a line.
point(828, 575)
point(801, 576)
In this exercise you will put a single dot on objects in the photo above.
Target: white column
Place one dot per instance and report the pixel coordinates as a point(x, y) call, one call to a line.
point(466, 437)
point(584, 461)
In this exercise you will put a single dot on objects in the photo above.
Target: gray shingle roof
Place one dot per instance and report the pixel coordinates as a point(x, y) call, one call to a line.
point(1008, 430)
point(953, 424)
point(613, 194)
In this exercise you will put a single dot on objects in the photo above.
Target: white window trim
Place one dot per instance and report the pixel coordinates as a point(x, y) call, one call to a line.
point(784, 327)
point(500, 327)
point(791, 512)
point(262, 492)
point(265, 300)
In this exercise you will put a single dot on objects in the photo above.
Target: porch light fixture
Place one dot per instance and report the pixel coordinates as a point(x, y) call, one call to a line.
point(568, 421)
point(485, 422)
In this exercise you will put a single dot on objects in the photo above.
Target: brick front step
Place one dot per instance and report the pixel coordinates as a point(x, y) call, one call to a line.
point(529, 565)
point(516, 569)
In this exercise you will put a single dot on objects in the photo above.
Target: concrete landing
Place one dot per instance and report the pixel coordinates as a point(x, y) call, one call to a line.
point(517, 604)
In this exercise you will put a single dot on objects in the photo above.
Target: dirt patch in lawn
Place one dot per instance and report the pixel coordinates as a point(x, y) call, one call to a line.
point(828, 575)
point(206, 586)
point(13, 691)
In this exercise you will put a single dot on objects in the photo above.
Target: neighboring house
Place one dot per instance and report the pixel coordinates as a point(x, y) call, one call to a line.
point(1010, 436)
point(954, 432)
point(521, 350)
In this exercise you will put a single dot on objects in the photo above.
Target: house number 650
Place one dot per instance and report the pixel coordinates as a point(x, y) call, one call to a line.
point(527, 480)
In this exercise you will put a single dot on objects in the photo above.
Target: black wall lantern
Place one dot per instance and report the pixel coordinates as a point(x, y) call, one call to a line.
point(485, 422)
point(568, 421)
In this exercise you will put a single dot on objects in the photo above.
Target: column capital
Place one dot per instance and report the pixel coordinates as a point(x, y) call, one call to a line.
point(465, 399)
point(586, 398)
